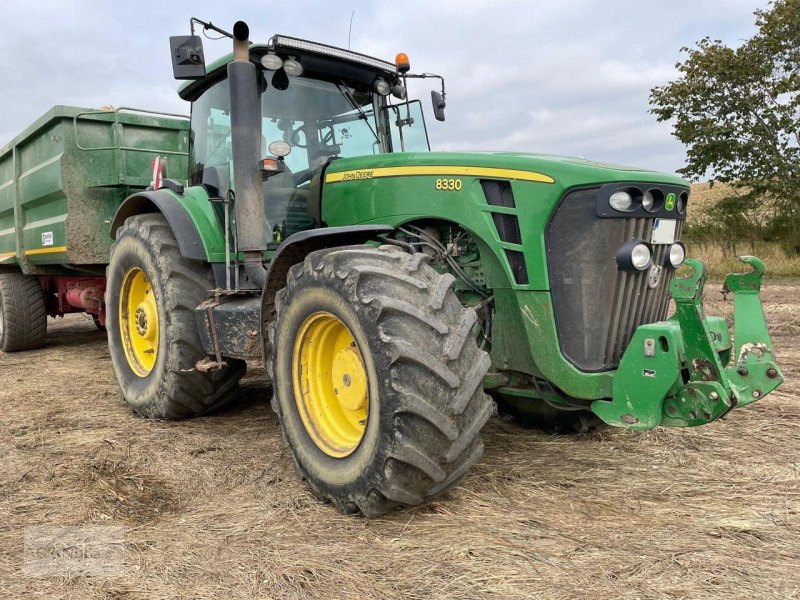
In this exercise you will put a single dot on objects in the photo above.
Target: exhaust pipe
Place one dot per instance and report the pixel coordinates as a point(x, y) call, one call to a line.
point(252, 231)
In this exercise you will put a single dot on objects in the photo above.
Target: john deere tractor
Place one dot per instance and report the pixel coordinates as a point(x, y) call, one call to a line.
point(396, 293)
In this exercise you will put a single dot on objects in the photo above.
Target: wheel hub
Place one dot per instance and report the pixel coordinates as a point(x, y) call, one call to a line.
point(331, 385)
point(350, 379)
point(138, 322)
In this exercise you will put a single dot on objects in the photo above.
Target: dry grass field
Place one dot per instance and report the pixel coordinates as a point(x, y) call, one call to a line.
point(213, 508)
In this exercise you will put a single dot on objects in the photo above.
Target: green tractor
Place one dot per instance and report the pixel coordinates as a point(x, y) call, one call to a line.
point(394, 292)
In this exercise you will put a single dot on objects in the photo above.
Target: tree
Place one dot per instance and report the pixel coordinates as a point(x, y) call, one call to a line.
point(738, 112)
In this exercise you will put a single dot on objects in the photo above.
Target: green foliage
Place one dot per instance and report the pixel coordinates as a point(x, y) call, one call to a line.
point(738, 112)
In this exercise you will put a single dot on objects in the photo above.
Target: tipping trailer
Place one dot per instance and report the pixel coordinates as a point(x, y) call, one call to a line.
point(392, 292)
point(61, 183)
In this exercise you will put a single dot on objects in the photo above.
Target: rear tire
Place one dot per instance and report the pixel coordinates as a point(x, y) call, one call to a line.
point(23, 313)
point(424, 371)
point(166, 386)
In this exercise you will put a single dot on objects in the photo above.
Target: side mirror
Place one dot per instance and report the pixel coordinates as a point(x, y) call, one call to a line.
point(188, 61)
point(438, 105)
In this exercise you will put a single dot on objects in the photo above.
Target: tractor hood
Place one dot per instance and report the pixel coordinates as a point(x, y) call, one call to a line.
point(563, 171)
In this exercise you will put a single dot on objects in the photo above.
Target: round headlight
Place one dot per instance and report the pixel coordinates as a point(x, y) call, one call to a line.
point(620, 201)
point(634, 255)
point(640, 257)
point(273, 62)
point(382, 87)
point(648, 201)
point(677, 254)
point(292, 68)
point(680, 205)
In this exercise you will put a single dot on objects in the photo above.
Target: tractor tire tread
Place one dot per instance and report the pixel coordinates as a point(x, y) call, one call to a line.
point(434, 377)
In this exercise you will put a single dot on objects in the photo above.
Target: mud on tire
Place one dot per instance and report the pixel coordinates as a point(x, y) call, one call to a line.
point(426, 400)
point(173, 389)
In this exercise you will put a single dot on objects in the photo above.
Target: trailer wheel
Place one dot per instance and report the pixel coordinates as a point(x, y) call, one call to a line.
point(377, 378)
point(151, 296)
point(23, 313)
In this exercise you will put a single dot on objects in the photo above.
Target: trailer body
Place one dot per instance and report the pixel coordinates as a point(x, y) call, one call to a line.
point(61, 182)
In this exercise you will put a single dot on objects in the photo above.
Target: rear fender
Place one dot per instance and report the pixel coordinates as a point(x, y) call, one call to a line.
point(190, 216)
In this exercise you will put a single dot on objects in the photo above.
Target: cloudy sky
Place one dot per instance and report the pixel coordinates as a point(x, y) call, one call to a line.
point(557, 76)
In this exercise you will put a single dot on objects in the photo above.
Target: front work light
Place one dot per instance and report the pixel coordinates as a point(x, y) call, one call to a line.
point(273, 62)
point(382, 87)
point(677, 254)
point(621, 201)
point(634, 256)
point(292, 68)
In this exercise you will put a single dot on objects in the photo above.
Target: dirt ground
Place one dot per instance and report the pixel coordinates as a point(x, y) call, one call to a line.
point(213, 508)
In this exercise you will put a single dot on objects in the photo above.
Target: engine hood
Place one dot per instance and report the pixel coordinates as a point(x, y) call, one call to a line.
point(564, 171)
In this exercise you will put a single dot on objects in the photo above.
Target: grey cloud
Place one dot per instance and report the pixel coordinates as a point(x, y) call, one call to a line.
point(567, 77)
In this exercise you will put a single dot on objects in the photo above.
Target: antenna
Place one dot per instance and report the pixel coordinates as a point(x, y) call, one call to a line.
point(350, 31)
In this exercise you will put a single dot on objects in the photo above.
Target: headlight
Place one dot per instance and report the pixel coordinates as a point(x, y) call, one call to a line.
point(382, 87)
point(634, 256)
point(680, 205)
point(292, 68)
point(620, 201)
point(648, 201)
point(677, 254)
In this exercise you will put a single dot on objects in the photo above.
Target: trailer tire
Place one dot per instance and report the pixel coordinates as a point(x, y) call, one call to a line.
point(161, 381)
point(23, 313)
point(420, 370)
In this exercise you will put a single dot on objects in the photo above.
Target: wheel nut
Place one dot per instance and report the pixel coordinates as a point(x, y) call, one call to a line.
point(772, 373)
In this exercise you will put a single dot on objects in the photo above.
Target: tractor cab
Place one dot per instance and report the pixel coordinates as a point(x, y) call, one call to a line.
point(317, 104)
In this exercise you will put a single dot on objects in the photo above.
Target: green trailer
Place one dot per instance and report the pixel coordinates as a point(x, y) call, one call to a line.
point(396, 295)
point(61, 183)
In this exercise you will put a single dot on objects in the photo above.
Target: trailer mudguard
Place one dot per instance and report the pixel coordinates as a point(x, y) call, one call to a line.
point(171, 206)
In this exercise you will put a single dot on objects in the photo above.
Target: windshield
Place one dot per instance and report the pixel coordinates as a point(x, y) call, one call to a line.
point(321, 120)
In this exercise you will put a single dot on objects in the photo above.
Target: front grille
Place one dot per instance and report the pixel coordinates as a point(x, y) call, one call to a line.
point(598, 307)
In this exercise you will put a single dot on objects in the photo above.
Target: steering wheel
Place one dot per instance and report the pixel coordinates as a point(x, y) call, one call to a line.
point(294, 137)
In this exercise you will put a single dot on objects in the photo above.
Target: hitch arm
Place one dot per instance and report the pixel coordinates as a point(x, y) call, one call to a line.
point(754, 372)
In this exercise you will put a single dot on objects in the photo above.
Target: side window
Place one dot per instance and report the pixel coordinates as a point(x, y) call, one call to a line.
point(407, 126)
point(218, 138)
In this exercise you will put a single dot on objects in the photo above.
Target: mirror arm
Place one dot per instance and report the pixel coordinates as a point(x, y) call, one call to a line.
point(428, 76)
point(207, 26)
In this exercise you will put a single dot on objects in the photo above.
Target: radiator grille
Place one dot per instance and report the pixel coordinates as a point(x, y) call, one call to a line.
point(598, 307)
point(498, 192)
point(517, 262)
point(507, 228)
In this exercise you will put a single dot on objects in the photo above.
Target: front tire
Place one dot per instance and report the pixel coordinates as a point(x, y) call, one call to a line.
point(151, 296)
point(412, 430)
point(23, 313)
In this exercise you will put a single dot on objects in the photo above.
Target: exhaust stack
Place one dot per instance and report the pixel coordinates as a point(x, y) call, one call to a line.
point(252, 231)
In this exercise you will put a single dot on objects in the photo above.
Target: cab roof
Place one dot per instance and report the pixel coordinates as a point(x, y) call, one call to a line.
point(315, 57)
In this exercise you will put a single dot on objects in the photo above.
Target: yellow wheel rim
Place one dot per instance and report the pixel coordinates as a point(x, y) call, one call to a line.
point(331, 387)
point(138, 322)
